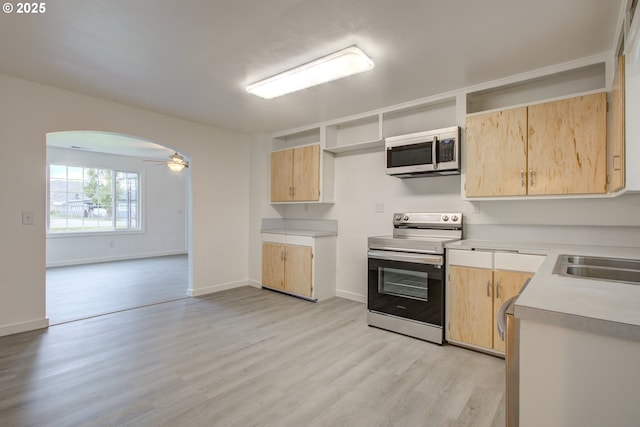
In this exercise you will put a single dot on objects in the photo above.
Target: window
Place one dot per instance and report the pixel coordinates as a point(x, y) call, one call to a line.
point(90, 199)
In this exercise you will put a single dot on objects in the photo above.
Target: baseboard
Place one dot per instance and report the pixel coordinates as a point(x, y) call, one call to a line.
point(216, 288)
point(351, 296)
point(223, 287)
point(17, 328)
point(113, 258)
point(255, 284)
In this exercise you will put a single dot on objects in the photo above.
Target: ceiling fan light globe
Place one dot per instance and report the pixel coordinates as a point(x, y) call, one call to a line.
point(175, 166)
point(175, 157)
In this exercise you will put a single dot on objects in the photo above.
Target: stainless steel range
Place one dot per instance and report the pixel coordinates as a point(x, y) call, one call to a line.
point(407, 274)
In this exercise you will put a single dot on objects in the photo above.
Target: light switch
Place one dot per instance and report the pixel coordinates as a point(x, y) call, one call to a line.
point(27, 218)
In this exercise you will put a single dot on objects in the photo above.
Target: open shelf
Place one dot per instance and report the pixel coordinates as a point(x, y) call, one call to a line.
point(365, 145)
point(420, 117)
point(296, 138)
point(353, 134)
point(565, 83)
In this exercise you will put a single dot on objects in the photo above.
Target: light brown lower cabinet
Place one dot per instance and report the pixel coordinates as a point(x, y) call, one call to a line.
point(475, 296)
point(471, 306)
point(273, 265)
point(507, 284)
point(287, 268)
point(300, 265)
point(477, 290)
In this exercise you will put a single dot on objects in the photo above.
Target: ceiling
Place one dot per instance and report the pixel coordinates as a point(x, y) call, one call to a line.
point(110, 143)
point(192, 59)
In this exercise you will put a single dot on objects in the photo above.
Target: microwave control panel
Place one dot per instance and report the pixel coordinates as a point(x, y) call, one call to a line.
point(446, 150)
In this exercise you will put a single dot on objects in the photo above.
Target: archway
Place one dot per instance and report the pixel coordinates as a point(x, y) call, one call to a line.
point(117, 224)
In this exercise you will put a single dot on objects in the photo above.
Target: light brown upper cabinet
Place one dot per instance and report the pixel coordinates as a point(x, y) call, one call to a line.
point(281, 175)
point(497, 153)
point(295, 174)
point(616, 140)
point(567, 146)
point(545, 149)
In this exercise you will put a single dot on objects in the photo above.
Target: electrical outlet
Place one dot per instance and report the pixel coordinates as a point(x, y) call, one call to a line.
point(27, 218)
point(378, 207)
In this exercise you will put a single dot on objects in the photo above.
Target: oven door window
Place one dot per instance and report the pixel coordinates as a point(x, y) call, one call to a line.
point(410, 155)
point(405, 289)
point(403, 283)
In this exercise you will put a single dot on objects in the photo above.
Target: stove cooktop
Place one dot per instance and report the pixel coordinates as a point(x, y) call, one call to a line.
point(420, 233)
point(418, 244)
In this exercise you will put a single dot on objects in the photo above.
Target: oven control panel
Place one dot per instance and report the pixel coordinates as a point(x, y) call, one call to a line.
point(427, 219)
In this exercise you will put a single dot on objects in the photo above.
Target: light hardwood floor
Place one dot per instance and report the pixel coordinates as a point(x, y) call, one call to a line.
point(81, 291)
point(242, 357)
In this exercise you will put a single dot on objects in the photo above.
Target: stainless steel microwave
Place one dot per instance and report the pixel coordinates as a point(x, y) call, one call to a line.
point(434, 152)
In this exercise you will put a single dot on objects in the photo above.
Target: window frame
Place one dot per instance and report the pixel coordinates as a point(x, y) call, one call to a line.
point(114, 230)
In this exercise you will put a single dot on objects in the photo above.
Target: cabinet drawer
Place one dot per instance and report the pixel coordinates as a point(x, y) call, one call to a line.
point(294, 239)
point(478, 259)
point(273, 238)
point(517, 262)
point(289, 239)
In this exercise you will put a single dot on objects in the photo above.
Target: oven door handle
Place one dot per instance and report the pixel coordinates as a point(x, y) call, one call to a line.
point(405, 257)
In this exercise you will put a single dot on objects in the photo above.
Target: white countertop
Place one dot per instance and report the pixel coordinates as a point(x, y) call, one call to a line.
point(598, 306)
point(295, 232)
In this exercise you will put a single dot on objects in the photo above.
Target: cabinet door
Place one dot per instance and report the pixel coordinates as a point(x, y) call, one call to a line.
point(471, 306)
point(496, 153)
point(507, 283)
point(297, 267)
point(306, 173)
point(567, 146)
point(273, 265)
point(615, 149)
point(281, 175)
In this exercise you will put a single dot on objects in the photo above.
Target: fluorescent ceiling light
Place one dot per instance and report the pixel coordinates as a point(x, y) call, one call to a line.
point(340, 64)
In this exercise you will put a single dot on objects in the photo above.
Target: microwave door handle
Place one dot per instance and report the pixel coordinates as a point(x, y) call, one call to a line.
point(434, 150)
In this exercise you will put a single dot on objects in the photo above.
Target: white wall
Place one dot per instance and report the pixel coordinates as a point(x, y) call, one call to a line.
point(219, 186)
point(164, 212)
point(570, 377)
point(259, 149)
point(361, 183)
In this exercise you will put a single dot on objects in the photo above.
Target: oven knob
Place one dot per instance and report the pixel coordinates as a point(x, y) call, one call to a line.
point(445, 218)
point(454, 218)
point(406, 218)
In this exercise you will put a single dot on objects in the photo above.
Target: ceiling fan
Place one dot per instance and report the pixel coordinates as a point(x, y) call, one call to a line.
point(176, 162)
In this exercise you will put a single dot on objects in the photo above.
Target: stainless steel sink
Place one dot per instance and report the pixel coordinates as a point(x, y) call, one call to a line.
point(632, 264)
point(599, 268)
